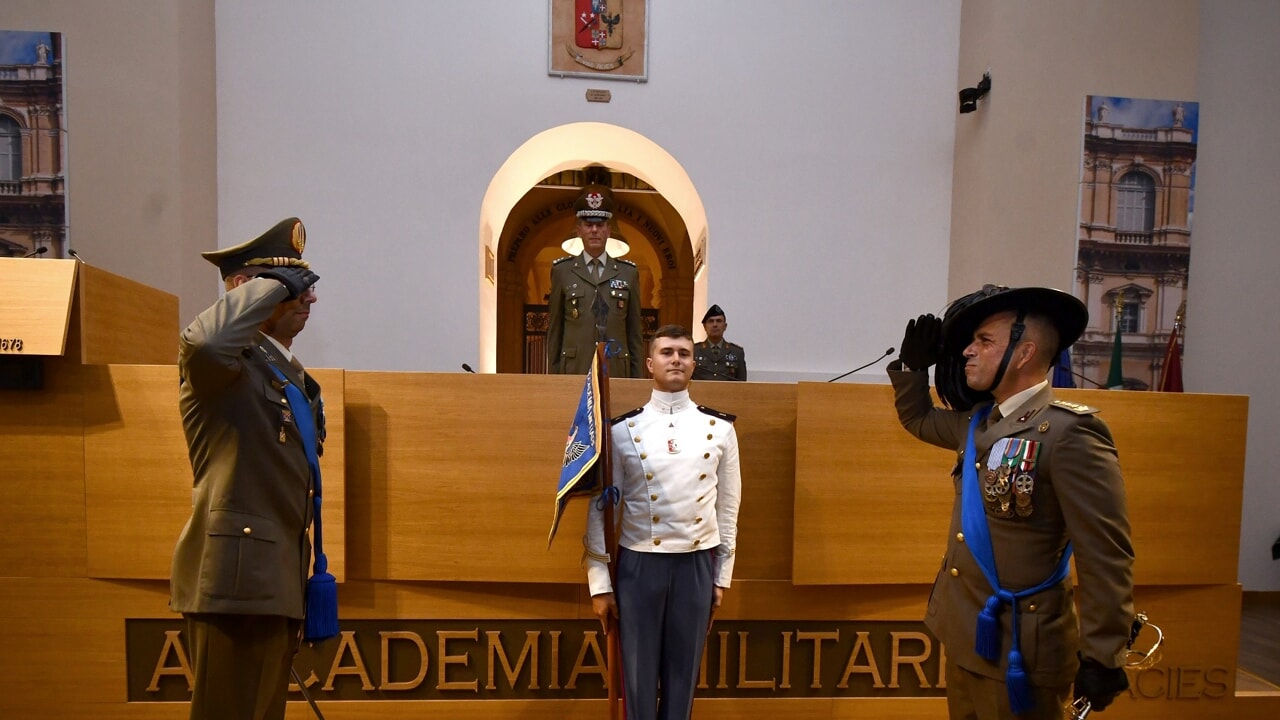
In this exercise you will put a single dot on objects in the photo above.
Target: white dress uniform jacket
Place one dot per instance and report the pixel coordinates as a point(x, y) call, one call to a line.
point(676, 465)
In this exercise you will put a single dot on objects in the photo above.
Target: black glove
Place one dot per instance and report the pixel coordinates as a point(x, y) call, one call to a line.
point(1099, 684)
point(296, 279)
point(921, 343)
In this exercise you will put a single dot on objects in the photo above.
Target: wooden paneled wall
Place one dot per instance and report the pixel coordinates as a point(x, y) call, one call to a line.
point(863, 482)
point(446, 494)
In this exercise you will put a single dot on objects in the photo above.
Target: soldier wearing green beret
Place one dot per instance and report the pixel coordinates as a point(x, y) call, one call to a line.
point(240, 564)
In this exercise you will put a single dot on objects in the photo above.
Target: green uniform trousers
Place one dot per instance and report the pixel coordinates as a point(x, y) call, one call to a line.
point(241, 665)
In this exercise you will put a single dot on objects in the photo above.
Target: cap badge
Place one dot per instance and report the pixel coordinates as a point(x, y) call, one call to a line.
point(595, 200)
point(299, 240)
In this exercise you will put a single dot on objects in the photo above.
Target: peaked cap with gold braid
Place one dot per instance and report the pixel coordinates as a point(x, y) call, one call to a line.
point(281, 246)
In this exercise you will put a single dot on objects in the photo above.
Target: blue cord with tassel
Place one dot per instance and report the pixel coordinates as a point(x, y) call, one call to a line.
point(977, 532)
point(321, 609)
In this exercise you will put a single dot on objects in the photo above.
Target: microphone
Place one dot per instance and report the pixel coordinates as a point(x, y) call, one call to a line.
point(467, 368)
point(1095, 383)
point(886, 354)
point(37, 251)
point(717, 373)
point(76, 255)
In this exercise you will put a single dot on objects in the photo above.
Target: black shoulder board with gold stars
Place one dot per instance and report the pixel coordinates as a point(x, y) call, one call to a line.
point(557, 261)
point(1076, 408)
point(716, 413)
point(624, 416)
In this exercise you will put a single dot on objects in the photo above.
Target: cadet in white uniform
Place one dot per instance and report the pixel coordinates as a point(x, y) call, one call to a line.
point(676, 465)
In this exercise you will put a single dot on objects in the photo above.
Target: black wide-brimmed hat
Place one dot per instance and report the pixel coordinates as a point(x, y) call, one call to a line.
point(964, 315)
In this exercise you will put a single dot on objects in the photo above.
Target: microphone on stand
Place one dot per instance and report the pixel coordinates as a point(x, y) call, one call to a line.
point(1095, 383)
point(468, 368)
point(76, 255)
point(886, 354)
point(717, 373)
point(37, 251)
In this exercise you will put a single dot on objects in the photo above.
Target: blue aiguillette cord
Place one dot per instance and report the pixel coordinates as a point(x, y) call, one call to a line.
point(305, 423)
point(977, 534)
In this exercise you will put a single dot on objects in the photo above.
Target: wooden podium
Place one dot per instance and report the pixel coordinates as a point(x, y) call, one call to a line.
point(65, 308)
point(64, 317)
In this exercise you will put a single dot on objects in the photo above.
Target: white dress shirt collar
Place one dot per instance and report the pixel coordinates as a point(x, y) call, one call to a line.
point(670, 403)
point(288, 355)
point(1015, 402)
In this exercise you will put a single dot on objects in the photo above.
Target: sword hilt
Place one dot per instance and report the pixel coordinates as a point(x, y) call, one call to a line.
point(1080, 708)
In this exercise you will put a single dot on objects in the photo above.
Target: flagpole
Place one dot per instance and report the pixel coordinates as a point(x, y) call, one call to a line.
point(1115, 378)
point(604, 466)
point(1171, 370)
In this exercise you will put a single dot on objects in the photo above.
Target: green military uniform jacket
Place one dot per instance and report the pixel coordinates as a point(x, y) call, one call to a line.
point(1078, 496)
point(719, 363)
point(245, 549)
point(571, 333)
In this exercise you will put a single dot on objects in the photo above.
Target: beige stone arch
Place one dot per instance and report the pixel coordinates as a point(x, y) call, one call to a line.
point(568, 147)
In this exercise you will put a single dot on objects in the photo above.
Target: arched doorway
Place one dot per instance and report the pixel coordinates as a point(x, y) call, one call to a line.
point(527, 213)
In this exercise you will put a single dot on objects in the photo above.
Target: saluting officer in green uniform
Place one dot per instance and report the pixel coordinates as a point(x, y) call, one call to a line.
point(240, 565)
point(717, 358)
point(594, 287)
point(1037, 484)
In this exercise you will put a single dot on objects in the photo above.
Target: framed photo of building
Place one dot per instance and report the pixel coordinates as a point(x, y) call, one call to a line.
point(33, 151)
point(607, 39)
point(1137, 199)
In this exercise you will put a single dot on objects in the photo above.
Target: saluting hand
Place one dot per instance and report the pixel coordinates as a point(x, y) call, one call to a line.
point(921, 343)
point(296, 280)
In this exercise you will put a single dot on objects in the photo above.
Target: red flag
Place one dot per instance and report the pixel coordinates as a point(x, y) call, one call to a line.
point(1171, 374)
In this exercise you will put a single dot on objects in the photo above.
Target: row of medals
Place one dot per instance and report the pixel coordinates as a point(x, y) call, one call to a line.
point(1007, 488)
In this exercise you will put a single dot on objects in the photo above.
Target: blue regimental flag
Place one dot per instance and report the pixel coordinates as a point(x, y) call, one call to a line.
point(582, 449)
point(1062, 371)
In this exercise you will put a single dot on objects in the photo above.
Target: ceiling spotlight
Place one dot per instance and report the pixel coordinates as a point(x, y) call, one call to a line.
point(969, 96)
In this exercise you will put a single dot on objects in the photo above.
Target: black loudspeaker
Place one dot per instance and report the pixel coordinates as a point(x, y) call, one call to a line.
point(21, 372)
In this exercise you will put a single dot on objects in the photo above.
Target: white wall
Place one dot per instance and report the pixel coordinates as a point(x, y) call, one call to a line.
point(141, 195)
point(1015, 203)
point(1232, 326)
point(819, 137)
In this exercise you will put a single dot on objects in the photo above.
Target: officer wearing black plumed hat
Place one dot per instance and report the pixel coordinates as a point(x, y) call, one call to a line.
point(242, 561)
point(594, 297)
point(717, 358)
point(1038, 480)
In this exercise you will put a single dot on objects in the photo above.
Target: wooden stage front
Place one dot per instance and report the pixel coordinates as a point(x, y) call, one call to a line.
point(439, 497)
point(440, 492)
